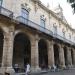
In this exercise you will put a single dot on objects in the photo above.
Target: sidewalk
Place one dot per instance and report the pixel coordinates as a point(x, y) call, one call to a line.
point(34, 73)
point(45, 71)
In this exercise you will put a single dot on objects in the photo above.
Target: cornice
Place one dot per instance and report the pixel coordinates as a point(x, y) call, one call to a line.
point(53, 14)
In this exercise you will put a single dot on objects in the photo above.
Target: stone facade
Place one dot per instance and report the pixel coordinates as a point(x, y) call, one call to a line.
point(43, 47)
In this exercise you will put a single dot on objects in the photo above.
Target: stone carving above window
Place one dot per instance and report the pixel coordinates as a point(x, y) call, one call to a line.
point(43, 17)
point(54, 24)
point(25, 6)
point(36, 7)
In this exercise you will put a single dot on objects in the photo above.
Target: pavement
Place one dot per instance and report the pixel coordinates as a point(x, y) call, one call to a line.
point(51, 72)
point(57, 72)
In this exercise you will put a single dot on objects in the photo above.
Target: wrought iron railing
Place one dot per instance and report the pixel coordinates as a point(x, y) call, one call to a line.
point(42, 29)
point(34, 25)
point(6, 12)
point(63, 39)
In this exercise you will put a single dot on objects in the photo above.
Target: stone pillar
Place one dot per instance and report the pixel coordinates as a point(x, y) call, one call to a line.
point(8, 51)
point(34, 54)
point(50, 54)
point(5, 50)
point(61, 56)
point(73, 57)
point(69, 57)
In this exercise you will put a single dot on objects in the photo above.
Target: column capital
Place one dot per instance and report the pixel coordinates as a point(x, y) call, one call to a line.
point(11, 28)
point(61, 45)
point(51, 42)
point(69, 48)
point(35, 37)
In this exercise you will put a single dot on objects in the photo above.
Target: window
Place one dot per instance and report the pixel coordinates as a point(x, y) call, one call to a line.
point(74, 37)
point(69, 36)
point(24, 13)
point(55, 30)
point(1, 2)
point(42, 20)
point(42, 23)
point(64, 34)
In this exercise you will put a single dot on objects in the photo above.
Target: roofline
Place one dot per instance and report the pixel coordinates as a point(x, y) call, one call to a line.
point(53, 13)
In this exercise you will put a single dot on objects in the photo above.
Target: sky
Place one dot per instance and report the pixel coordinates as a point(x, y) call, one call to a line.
point(67, 10)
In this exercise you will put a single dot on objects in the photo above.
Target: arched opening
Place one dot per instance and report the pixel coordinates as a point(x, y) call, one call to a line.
point(56, 55)
point(43, 54)
point(22, 50)
point(1, 46)
point(65, 56)
point(72, 57)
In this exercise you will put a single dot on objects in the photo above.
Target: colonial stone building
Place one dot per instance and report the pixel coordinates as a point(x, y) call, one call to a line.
point(31, 33)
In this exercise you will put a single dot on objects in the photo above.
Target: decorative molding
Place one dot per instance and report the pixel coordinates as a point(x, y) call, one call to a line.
point(67, 28)
point(54, 25)
point(36, 7)
point(43, 17)
point(26, 6)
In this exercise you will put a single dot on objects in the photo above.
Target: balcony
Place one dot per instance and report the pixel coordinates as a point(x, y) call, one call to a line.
point(63, 39)
point(6, 12)
point(34, 25)
point(42, 29)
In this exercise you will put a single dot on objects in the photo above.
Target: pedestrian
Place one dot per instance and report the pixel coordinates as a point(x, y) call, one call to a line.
point(16, 68)
point(27, 68)
point(53, 68)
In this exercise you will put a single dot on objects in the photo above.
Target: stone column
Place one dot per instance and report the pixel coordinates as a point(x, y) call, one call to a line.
point(69, 57)
point(8, 51)
point(34, 54)
point(73, 57)
point(5, 50)
point(61, 56)
point(50, 54)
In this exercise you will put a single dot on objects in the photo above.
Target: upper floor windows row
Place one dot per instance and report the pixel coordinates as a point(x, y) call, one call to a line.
point(25, 14)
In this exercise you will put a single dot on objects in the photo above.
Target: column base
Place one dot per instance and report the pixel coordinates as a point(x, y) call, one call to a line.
point(49, 67)
point(9, 70)
point(62, 67)
point(36, 69)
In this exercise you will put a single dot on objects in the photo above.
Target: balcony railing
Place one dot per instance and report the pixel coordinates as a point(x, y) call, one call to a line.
point(63, 39)
point(6, 12)
point(42, 29)
point(34, 25)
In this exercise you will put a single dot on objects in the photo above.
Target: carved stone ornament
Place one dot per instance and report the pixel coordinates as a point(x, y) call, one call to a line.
point(26, 6)
point(43, 17)
point(36, 7)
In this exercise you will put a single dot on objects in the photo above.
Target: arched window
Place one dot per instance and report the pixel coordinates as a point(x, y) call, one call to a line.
point(1, 2)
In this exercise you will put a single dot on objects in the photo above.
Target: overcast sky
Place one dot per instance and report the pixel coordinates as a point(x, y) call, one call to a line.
point(67, 10)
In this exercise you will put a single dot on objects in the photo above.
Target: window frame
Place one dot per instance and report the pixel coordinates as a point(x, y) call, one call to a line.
point(42, 22)
point(24, 13)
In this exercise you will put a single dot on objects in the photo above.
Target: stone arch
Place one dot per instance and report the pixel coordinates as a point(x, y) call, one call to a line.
point(30, 36)
point(43, 54)
point(56, 55)
point(22, 50)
